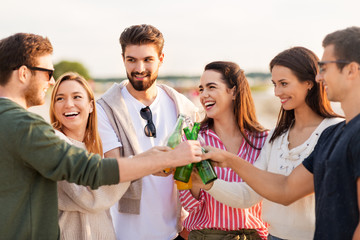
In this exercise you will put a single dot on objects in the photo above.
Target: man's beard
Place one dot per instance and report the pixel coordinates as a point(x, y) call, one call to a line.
point(32, 95)
point(142, 85)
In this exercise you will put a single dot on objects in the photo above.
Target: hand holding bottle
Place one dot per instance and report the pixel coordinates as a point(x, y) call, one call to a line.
point(174, 139)
point(219, 157)
point(204, 167)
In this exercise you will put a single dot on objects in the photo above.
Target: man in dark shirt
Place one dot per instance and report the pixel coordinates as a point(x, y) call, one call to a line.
point(333, 169)
point(33, 159)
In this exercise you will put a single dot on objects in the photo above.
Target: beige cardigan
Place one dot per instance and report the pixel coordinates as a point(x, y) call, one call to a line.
point(114, 105)
point(83, 212)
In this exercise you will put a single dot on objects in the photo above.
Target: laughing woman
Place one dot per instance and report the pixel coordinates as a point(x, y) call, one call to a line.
point(83, 213)
point(230, 124)
point(304, 114)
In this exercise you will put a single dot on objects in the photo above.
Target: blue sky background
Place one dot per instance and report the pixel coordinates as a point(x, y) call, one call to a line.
point(196, 32)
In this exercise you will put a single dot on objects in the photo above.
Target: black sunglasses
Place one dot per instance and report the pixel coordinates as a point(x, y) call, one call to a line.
point(149, 129)
point(49, 71)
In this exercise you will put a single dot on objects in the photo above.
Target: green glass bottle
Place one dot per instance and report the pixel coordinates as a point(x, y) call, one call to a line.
point(175, 138)
point(183, 173)
point(195, 131)
point(205, 169)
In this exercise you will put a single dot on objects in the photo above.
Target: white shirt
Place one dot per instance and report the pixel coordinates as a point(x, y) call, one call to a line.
point(158, 218)
point(296, 221)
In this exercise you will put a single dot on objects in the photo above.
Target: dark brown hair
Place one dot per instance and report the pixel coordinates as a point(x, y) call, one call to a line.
point(244, 107)
point(21, 49)
point(346, 45)
point(142, 34)
point(303, 64)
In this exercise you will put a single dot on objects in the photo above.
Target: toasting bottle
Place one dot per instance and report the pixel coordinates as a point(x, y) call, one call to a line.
point(175, 137)
point(183, 173)
point(205, 169)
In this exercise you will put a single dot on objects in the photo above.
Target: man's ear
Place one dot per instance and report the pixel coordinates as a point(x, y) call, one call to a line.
point(353, 70)
point(23, 74)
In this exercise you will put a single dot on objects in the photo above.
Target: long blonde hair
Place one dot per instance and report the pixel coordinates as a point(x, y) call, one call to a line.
point(92, 138)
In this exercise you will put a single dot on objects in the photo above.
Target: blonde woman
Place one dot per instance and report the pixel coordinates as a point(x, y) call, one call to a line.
point(83, 213)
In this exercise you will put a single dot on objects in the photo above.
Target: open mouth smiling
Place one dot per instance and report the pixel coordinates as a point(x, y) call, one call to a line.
point(71, 114)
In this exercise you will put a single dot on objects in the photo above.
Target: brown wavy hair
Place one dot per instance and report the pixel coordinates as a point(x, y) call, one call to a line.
point(142, 34)
point(303, 64)
point(92, 138)
point(21, 49)
point(244, 107)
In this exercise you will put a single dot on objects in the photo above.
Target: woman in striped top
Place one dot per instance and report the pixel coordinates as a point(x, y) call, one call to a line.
point(230, 124)
point(305, 112)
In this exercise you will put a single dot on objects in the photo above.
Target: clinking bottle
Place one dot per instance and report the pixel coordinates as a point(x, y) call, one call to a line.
point(183, 173)
point(175, 137)
point(205, 169)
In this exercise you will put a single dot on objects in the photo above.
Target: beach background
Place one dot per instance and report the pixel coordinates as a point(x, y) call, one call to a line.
point(249, 33)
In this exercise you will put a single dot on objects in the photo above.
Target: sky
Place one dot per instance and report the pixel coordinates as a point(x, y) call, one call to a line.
point(196, 32)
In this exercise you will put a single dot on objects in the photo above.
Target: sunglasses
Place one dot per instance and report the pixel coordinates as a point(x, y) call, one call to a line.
point(149, 130)
point(49, 71)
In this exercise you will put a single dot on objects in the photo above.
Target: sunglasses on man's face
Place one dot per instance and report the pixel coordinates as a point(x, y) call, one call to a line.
point(149, 130)
point(49, 71)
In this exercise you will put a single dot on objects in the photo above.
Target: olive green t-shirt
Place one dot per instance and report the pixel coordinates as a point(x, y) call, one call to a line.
point(32, 160)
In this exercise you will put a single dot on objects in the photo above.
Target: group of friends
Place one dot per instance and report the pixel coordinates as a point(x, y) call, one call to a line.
point(298, 181)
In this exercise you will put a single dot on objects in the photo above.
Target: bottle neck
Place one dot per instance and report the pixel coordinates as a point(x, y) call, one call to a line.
point(179, 124)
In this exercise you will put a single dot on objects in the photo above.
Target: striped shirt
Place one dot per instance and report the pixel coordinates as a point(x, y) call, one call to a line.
point(206, 212)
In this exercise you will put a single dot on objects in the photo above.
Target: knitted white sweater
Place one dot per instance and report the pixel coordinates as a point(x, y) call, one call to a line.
point(83, 212)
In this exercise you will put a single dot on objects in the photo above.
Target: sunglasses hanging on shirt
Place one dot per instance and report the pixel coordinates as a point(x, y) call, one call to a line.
point(149, 130)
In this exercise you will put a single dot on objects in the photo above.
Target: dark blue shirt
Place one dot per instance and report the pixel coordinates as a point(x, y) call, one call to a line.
point(335, 164)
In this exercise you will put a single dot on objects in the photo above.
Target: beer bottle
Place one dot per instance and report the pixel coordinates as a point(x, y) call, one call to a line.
point(182, 185)
point(205, 169)
point(175, 137)
point(183, 173)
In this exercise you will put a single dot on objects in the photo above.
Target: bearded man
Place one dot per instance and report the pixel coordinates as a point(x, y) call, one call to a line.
point(135, 115)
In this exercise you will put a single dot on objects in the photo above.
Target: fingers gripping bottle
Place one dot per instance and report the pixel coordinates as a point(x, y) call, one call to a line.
point(205, 169)
point(175, 137)
point(183, 173)
point(185, 170)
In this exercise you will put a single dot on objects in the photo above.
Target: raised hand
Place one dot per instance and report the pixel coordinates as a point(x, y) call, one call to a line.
point(219, 156)
point(185, 153)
